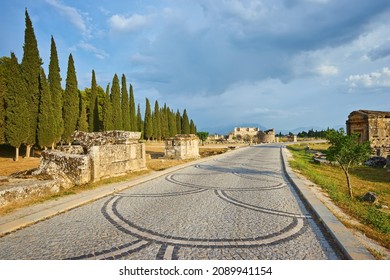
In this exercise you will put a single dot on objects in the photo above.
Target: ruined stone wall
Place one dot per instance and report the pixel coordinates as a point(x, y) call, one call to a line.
point(267, 136)
point(379, 135)
point(182, 146)
point(99, 155)
point(113, 160)
point(372, 126)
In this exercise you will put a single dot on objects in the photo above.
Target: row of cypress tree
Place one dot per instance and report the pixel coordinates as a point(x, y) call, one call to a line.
point(35, 110)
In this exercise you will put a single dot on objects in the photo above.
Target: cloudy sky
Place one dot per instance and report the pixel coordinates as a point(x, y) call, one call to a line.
point(278, 63)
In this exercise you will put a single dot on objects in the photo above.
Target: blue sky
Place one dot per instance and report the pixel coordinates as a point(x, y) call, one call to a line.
point(279, 63)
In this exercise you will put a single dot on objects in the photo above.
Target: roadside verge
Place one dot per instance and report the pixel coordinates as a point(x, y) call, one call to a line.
point(348, 244)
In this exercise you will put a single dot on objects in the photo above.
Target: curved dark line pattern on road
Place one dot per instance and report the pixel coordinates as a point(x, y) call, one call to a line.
point(162, 194)
point(170, 245)
point(229, 199)
point(293, 228)
point(171, 178)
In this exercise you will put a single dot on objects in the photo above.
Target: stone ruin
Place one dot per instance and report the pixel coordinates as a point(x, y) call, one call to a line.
point(267, 136)
point(98, 155)
point(182, 146)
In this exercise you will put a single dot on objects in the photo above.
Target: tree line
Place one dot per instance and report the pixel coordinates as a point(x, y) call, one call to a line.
point(36, 111)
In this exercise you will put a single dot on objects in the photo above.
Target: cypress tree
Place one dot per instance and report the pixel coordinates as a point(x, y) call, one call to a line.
point(31, 67)
point(3, 92)
point(157, 122)
point(178, 122)
point(125, 105)
point(54, 80)
point(71, 102)
point(107, 111)
point(139, 120)
point(192, 127)
point(185, 125)
point(45, 131)
point(133, 116)
point(93, 114)
point(164, 122)
point(148, 125)
point(172, 123)
point(116, 104)
point(16, 104)
point(82, 123)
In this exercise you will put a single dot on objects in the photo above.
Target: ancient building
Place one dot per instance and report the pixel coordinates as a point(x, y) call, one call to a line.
point(98, 155)
point(182, 146)
point(267, 136)
point(373, 126)
point(253, 134)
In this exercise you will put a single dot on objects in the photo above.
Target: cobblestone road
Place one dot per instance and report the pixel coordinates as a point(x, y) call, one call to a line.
point(237, 206)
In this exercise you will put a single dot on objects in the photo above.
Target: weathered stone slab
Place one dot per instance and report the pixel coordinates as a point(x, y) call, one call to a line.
point(182, 146)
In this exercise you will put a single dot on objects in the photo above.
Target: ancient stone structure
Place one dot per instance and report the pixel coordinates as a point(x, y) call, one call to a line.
point(373, 126)
point(182, 146)
point(99, 155)
point(267, 136)
point(253, 134)
point(292, 138)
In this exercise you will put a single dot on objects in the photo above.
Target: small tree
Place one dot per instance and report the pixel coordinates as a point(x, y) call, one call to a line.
point(347, 151)
point(202, 136)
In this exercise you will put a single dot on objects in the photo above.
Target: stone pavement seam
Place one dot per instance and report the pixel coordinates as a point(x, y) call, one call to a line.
point(348, 244)
point(16, 221)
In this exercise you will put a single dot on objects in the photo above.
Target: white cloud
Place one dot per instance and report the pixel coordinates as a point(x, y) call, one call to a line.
point(327, 70)
point(72, 14)
point(101, 54)
point(128, 24)
point(372, 80)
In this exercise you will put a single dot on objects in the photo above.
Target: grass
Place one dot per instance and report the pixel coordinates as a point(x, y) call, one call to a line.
point(375, 219)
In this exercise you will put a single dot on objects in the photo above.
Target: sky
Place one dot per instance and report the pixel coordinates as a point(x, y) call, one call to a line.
point(282, 64)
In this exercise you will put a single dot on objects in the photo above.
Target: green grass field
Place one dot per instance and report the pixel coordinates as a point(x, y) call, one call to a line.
point(374, 217)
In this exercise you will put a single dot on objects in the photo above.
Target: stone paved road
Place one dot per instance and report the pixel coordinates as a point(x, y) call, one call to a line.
point(236, 206)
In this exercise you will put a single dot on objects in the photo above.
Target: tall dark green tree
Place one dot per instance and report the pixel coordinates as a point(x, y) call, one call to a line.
point(16, 104)
point(192, 127)
point(133, 113)
point(148, 122)
point(107, 111)
point(185, 125)
point(172, 124)
point(125, 105)
point(178, 122)
point(3, 92)
point(140, 126)
point(54, 80)
point(71, 102)
point(164, 122)
point(156, 122)
point(82, 122)
point(116, 104)
point(31, 67)
point(45, 131)
point(93, 114)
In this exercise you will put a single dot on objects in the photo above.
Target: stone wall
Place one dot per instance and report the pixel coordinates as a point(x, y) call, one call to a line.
point(373, 126)
point(267, 136)
point(182, 146)
point(99, 155)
